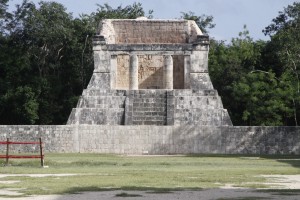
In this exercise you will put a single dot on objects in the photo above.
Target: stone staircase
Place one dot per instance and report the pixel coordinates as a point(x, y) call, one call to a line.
point(149, 107)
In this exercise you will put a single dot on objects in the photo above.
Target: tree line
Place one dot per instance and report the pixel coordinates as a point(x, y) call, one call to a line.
point(46, 60)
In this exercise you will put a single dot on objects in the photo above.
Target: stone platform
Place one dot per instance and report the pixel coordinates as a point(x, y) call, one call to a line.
point(150, 107)
point(155, 140)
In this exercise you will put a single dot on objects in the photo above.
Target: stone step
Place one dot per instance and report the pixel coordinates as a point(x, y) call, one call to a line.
point(102, 102)
point(157, 123)
point(150, 100)
point(98, 92)
point(203, 102)
point(97, 116)
point(149, 107)
point(188, 92)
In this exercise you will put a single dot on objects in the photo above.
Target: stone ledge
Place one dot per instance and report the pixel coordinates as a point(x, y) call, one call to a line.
point(150, 47)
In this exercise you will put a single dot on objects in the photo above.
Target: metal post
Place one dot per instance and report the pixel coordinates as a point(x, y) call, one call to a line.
point(7, 151)
point(41, 152)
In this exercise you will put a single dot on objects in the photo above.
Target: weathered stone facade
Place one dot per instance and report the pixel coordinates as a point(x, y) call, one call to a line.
point(150, 72)
point(138, 140)
point(150, 93)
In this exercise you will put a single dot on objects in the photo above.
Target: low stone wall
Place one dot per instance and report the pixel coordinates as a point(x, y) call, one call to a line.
point(56, 138)
point(186, 139)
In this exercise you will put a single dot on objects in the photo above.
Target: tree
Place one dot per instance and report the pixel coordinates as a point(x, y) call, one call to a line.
point(46, 59)
point(44, 50)
point(228, 64)
point(21, 106)
point(3, 13)
point(105, 11)
point(203, 21)
point(263, 99)
point(285, 38)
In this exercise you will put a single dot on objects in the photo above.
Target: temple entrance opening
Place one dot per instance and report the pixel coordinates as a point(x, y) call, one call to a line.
point(150, 72)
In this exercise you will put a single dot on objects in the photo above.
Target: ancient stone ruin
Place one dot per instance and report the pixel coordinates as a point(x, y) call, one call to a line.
point(150, 93)
point(150, 72)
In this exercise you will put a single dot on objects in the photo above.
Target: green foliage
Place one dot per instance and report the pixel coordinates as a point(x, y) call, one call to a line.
point(285, 38)
point(228, 64)
point(47, 53)
point(262, 98)
point(3, 14)
point(21, 104)
point(259, 81)
point(52, 53)
point(204, 22)
point(128, 12)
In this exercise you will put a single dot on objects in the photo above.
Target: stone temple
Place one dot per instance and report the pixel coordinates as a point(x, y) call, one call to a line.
point(150, 72)
point(150, 93)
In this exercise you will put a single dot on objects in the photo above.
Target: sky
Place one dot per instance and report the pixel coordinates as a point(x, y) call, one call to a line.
point(230, 16)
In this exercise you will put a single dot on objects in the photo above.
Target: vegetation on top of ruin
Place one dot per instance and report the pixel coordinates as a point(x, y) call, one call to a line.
point(46, 60)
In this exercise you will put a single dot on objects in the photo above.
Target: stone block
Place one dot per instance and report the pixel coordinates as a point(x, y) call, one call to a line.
point(200, 81)
point(199, 62)
point(101, 61)
point(100, 81)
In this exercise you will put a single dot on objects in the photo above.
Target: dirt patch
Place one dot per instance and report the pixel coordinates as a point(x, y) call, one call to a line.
point(283, 181)
point(9, 192)
point(36, 175)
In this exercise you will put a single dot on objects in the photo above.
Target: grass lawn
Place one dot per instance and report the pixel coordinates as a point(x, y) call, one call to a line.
point(96, 172)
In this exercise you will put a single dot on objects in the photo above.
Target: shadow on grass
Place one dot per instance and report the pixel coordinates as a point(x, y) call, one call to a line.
point(275, 156)
point(151, 190)
point(283, 192)
point(158, 193)
point(293, 160)
point(125, 194)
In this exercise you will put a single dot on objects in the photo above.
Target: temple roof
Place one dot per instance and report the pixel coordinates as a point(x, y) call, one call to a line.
point(148, 31)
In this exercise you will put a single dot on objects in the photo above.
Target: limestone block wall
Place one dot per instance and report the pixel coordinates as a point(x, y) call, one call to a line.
point(199, 107)
point(56, 138)
point(148, 31)
point(261, 140)
point(99, 107)
point(179, 139)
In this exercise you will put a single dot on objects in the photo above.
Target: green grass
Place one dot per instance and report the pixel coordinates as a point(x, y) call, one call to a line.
point(97, 172)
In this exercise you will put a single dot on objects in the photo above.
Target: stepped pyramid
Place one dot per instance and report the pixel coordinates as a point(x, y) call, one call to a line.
point(150, 72)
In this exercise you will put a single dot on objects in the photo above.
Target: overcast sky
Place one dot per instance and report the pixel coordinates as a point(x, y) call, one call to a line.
point(229, 15)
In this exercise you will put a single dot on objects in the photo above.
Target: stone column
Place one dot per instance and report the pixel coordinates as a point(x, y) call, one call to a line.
point(113, 72)
point(133, 73)
point(187, 69)
point(168, 72)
